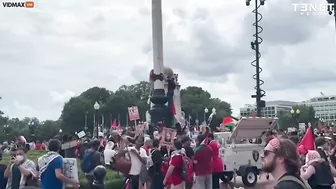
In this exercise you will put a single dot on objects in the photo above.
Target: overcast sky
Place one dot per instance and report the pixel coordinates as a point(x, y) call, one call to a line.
point(61, 48)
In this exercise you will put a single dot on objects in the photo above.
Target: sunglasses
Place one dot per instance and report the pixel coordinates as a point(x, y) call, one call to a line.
point(267, 152)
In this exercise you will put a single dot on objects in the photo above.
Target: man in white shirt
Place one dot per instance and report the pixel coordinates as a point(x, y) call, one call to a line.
point(138, 157)
point(109, 153)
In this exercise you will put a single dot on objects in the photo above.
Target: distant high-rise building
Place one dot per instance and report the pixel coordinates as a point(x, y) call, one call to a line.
point(271, 110)
point(324, 106)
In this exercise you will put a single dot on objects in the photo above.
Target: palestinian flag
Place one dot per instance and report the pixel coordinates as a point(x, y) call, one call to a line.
point(173, 111)
point(229, 123)
point(206, 141)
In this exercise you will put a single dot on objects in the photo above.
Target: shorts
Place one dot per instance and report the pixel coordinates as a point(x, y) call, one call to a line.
point(144, 177)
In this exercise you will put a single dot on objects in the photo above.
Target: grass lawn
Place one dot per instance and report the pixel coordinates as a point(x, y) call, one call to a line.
point(112, 179)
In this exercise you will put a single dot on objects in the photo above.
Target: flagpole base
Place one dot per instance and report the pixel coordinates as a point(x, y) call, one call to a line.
point(159, 110)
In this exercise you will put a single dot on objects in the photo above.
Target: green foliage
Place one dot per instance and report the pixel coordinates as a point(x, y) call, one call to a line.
point(42, 130)
point(307, 115)
point(113, 105)
point(112, 179)
point(194, 100)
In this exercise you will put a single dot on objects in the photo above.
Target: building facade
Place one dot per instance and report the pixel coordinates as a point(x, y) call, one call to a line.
point(271, 110)
point(324, 106)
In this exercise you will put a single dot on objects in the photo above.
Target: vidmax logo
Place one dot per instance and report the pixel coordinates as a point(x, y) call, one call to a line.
point(27, 4)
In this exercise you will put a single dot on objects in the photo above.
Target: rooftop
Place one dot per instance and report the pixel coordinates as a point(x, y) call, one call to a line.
point(322, 98)
point(274, 103)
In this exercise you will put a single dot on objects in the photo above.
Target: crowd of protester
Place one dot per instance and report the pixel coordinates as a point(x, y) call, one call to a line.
point(146, 164)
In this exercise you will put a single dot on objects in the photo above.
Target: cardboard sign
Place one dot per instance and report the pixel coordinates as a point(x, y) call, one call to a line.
point(167, 137)
point(133, 113)
point(68, 145)
point(70, 169)
point(81, 134)
point(139, 130)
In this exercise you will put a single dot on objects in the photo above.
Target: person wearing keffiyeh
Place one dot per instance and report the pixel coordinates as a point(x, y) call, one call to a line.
point(51, 167)
point(203, 158)
point(19, 169)
point(317, 171)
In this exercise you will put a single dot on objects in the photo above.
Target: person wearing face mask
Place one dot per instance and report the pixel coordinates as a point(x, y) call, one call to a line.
point(19, 169)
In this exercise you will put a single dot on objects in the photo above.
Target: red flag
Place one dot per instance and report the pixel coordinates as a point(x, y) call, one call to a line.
point(173, 109)
point(119, 127)
point(227, 120)
point(308, 139)
point(114, 124)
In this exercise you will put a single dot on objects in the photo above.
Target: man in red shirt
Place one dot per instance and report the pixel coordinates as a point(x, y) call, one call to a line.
point(174, 172)
point(38, 146)
point(217, 163)
point(203, 164)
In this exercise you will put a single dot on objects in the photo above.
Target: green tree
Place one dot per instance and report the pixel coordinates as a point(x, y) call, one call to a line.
point(194, 100)
point(285, 120)
point(47, 130)
point(73, 114)
point(113, 105)
point(307, 114)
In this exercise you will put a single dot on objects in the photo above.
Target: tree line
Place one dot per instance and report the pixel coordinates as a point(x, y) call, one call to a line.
point(79, 112)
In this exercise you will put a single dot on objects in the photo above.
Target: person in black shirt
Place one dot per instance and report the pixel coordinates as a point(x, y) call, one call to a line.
point(190, 153)
point(155, 170)
point(321, 145)
point(3, 180)
point(280, 158)
point(319, 173)
point(186, 145)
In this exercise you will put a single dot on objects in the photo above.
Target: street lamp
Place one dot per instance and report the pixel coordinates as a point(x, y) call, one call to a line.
point(31, 125)
point(295, 112)
point(214, 111)
point(85, 121)
point(295, 115)
point(205, 112)
point(96, 106)
point(60, 131)
point(6, 130)
point(255, 46)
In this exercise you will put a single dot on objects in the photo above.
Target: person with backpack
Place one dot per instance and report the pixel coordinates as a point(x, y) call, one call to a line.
point(217, 163)
point(186, 142)
point(203, 163)
point(154, 171)
point(174, 172)
point(90, 161)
